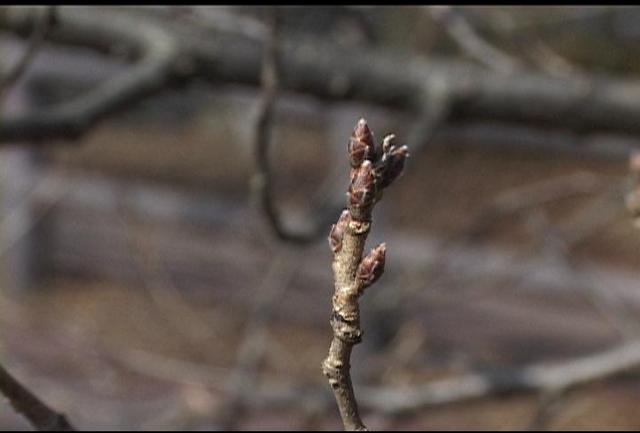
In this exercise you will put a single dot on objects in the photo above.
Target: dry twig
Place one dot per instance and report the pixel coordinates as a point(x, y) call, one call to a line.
point(372, 170)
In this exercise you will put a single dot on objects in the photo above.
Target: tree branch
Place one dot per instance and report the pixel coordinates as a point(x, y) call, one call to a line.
point(157, 51)
point(470, 42)
point(262, 186)
point(31, 407)
point(372, 170)
point(310, 66)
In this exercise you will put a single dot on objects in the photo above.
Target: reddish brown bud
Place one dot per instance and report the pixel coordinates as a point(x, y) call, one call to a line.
point(337, 231)
point(363, 188)
point(361, 144)
point(392, 165)
point(372, 266)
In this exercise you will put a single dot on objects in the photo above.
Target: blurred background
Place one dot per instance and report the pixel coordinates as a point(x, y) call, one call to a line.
point(159, 272)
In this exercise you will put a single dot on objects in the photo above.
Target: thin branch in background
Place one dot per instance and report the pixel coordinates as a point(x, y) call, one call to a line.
point(470, 41)
point(262, 186)
point(373, 168)
point(255, 339)
point(436, 107)
point(550, 61)
point(158, 53)
point(157, 281)
point(44, 22)
point(39, 415)
point(14, 226)
point(332, 73)
point(262, 181)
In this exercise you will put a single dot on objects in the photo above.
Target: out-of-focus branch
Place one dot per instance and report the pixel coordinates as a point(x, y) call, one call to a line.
point(156, 49)
point(254, 342)
point(39, 415)
point(41, 28)
point(537, 377)
point(540, 378)
point(470, 42)
point(317, 68)
point(373, 169)
point(262, 186)
point(262, 182)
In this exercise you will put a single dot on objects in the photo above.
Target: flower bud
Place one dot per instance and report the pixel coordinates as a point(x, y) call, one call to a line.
point(363, 188)
point(337, 231)
point(387, 143)
point(372, 266)
point(392, 165)
point(361, 144)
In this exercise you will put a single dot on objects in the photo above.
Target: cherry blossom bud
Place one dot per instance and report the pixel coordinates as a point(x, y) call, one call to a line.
point(392, 165)
point(361, 144)
point(337, 231)
point(372, 266)
point(363, 188)
point(387, 143)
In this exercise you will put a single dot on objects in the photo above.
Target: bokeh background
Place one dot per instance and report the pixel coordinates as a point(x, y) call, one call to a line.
point(144, 288)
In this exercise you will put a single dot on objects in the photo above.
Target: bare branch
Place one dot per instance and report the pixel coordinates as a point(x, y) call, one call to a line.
point(373, 168)
point(470, 42)
point(262, 187)
point(41, 416)
point(157, 51)
point(316, 68)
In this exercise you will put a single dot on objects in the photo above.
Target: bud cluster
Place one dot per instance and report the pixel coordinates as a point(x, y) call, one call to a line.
point(372, 169)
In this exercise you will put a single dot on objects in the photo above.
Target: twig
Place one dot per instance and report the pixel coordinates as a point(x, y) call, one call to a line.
point(436, 108)
point(41, 416)
point(470, 42)
point(157, 49)
point(255, 339)
point(537, 377)
point(261, 183)
point(544, 378)
point(372, 170)
point(157, 281)
point(41, 28)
